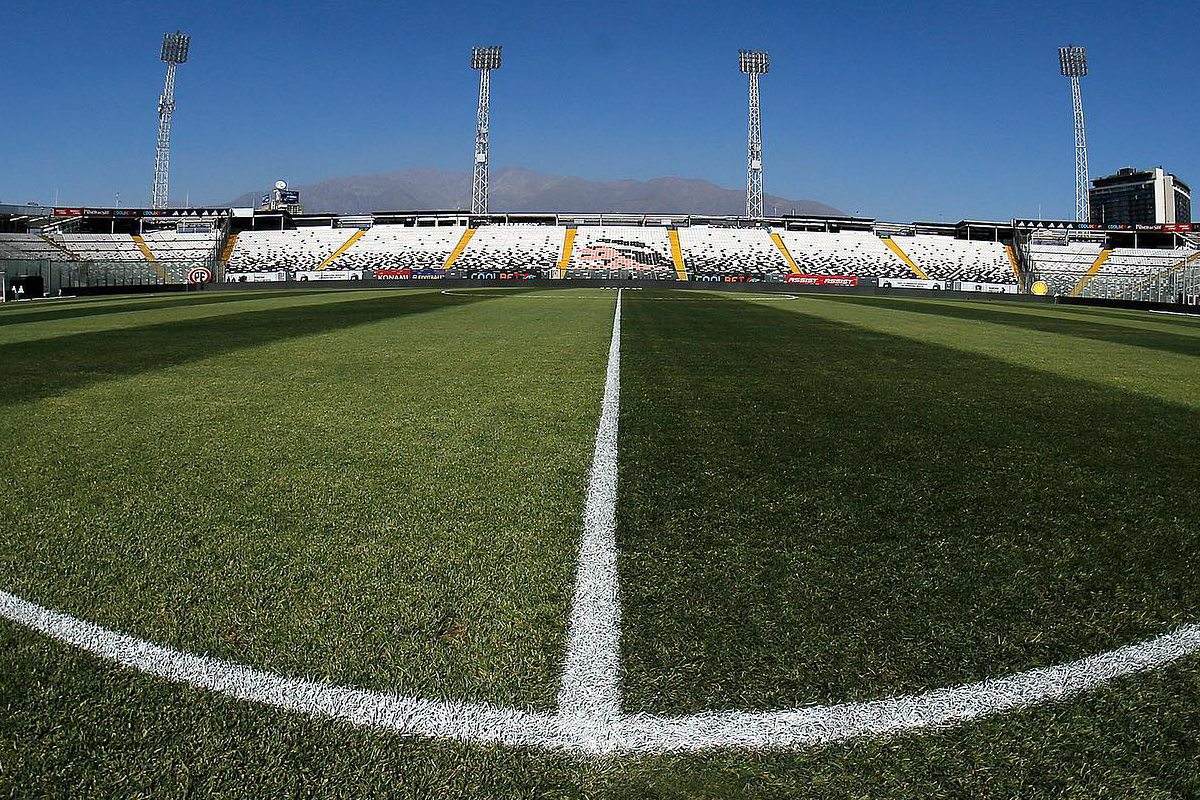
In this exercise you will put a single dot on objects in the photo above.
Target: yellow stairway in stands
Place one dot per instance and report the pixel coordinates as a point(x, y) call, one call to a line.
point(458, 248)
point(787, 256)
point(1091, 273)
point(141, 243)
point(345, 246)
point(1012, 259)
point(227, 253)
point(677, 254)
point(895, 248)
point(567, 248)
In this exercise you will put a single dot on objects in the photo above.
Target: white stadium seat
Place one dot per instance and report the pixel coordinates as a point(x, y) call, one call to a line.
point(399, 247)
point(749, 251)
point(513, 247)
point(852, 253)
point(302, 249)
point(944, 258)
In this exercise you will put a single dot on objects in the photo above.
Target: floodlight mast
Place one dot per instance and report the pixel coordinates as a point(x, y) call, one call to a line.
point(174, 51)
point(754, 63)
point(1073, 63)
point(484, 59)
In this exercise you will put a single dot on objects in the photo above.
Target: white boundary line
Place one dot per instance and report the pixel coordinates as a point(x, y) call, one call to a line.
point(589, 718)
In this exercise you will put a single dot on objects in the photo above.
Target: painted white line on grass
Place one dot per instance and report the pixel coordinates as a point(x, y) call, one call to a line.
point(591, 681)
point(630, 733)
point(429, 718)
point(940, 708)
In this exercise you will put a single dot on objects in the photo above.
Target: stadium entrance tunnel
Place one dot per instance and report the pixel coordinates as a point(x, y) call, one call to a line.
point(811, 512)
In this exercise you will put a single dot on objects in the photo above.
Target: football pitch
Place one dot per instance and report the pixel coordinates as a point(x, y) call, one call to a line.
point(580, 543)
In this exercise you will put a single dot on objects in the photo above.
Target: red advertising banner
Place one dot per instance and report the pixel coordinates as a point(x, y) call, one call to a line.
point(393, 274)
point(68, 212)
point(824, 280)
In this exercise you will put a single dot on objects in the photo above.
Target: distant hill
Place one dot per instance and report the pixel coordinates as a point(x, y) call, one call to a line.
point(514, 189)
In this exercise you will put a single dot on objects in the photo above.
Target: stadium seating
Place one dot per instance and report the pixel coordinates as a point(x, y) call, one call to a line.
point(92, 258)
point(1143, 263)
point(731, 250)
point(303, 249)
point(948, 259)
point(28, 245)
point(193, 248)
point(1127, 270)
point(505, 247)
point(861, 254)
point(625, 248)
point(609, 251)
point(1063, 265)
point(398, 247)
point(101, 246)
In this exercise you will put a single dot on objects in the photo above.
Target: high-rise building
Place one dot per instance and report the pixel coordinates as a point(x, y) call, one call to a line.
point(1140, 197)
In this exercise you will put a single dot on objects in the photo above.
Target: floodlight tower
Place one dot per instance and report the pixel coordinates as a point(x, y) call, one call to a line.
point(754, 63)
point(1073, 63)
point(484, 59)
point(174, 51)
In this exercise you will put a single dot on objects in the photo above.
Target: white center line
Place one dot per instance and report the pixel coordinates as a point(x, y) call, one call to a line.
point(591, 682)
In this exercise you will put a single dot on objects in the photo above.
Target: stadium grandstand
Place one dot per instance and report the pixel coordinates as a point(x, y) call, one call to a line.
point(64, 250)
point(73, 249)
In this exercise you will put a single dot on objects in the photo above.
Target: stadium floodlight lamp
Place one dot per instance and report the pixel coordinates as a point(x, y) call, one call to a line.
point(1073, 61)
point(485, 57)
point(754, 62)
point(175, 47)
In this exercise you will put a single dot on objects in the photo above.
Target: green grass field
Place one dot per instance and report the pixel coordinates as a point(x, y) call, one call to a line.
point(821, 500)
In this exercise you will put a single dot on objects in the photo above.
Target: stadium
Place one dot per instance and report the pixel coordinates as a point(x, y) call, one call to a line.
point(475, 503)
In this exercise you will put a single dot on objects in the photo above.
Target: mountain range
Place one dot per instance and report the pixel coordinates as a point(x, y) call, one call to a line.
point(515, 189)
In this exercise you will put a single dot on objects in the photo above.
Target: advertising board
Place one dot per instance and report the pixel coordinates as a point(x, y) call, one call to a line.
point(910, 283)
point(823, 280)
point(328, 275)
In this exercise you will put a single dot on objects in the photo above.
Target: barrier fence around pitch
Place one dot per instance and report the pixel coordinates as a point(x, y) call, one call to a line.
point(624, 283)
point(862, 289)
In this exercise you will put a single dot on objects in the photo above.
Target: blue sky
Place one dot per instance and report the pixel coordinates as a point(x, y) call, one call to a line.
point(922, 111)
